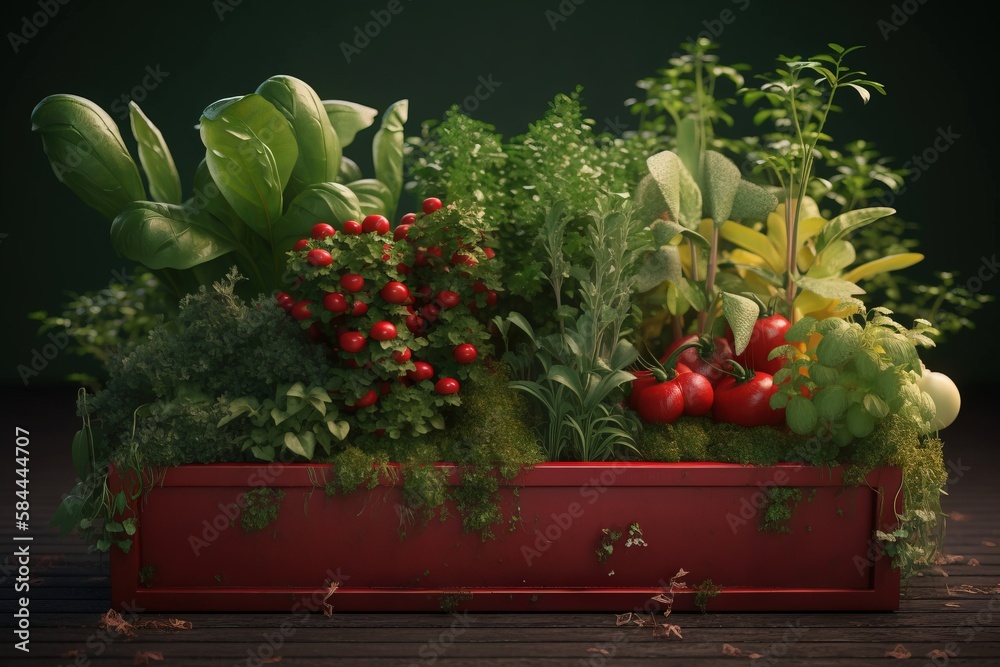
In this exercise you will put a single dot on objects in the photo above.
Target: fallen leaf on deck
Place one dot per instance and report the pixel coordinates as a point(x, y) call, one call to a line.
point(112, 620)
point(602, 651)
point(937, 572)
point(973, 562)
point(143, 657)
point(169, 624)
point(952, 604)
point(624, 619)
point(938, 653)
point(276, 658)
point(900, 652)
point(729, 649)
point(331, 589)
point(975, 590)
point(958, 516)
point(72, 653)
point(755, 656)
point(987, 543)
point(948, 559)
point(668, 629)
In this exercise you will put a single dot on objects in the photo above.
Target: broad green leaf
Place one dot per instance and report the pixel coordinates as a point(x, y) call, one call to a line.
point(339, 430)
point(838, 346)
point(691, 201)
point(741, 313)
point(349, 171)
point(319, 146)
point(567, 377)
point(883, 265)
point(688, 145)
point(298, 390)
point(304, 446)
point(862, 92)
point(87, 153)
point(752, 202)
point(799, 331)
point(649, 201)
point(847, 222)
point(831, 402)
point(348, 118)
point(834, 258)
point(664, 231)
point(168, 236)
point(265, 453)
point(155, 157)
point(250, 151)
point(829, 288)
point(875, 406)
point(387, 152)
point(661, 265)
point(720, 181)
point(665, 172)
point(332, 203)
point(80, 451)
point(753, 241)
point(120, 502)
point(693, 292)
point(373, 197)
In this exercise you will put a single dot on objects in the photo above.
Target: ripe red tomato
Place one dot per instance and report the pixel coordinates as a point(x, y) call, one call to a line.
point(404, 269)
point(301, 244)
point(479, 287)
point(768, 333)
point(465, 353)
point(352, 282)
point(446, 386)
point(746, 403)
point(401, 356)
point(698, 393)
point(408, 219)
point(335, 302)
point(415, 324)
point(375, 223)
point(359, 308)
point(395, 292)
point(709, 358)
point(352, 227)
point(660, 402)
point(352, 341)
point(422, 371)
point(431, 204)
point(434, 251)
point(491, 298)
point(285, 300)
point(367, 400)
point(401, 233)
point(430, 312)
point(301, 311)
point(319, 257)
point(321, 230)
point(383, 330)
point(448, 299)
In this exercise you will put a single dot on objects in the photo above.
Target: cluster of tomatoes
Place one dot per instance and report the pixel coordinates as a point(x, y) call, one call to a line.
point(701, 375)
point(398, 309)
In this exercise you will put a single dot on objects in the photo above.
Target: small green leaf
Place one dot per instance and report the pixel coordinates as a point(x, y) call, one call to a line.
point(799, 332)
point(741, 313)
point(800, 415)
point(823, 375)
point(847, 222)
point(293, 443)
point(155, 157)
point(124, 545)
point(113, 527)
point(830, 288)
point(838, 346)
point(778, 400)
point(830, 401)
point(348, 118)
point(719, 183)
point(81, 453)
point(693, 292)
point(120, 502)
point(387, 152)
point(130, 526)
point(875, 406)
point(661, 265)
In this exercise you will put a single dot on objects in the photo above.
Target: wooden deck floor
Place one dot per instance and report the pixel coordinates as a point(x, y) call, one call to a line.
point(950, 616)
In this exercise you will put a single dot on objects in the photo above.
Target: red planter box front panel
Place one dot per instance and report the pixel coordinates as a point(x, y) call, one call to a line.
point(191, 553)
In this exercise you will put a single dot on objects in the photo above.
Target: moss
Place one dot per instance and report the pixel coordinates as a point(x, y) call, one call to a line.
point(704, 592)
point(354, 467)
point(146, 573)
point(449, 602)
point(701, 439)
point(777, 509)
point(261, 508)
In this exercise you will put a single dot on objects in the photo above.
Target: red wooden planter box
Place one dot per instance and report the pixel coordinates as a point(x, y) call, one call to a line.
point(190, 552)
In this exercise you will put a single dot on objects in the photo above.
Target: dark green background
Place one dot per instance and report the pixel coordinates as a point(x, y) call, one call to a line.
point(935, 67)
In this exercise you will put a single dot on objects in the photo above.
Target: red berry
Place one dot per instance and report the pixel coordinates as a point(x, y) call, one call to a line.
point(401, 356)
point(335, 302)
point(431, 204)
point(375, 223)
point(352, 227)
point(352, 282)
point(404, 269)
point(424, 293)
point(408, 219)
point(478, 287)
point(419, 260)
point(395, 292)
point(383, 330)
point(386, 257)
point(321, 230)
point(285, 300)
point(367, 400)
point(491, 298)
point(446, 386)
point(301, 244)
point(465, 353)
point(448, 299)
point(300, 310)
point(434, 250)
point(319, 257)
point(359, 308)
point(430, 312)
point(415, 324)
point(490, 254)
point(400, 232)
point(352, 341)
point(421, 371)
